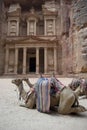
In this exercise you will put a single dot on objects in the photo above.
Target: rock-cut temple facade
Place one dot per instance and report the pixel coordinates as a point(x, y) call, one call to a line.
point(43, 36)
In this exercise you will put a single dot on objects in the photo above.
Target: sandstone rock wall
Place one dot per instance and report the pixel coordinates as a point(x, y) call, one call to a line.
point(65, 40)
point(80, 35)
point(1, 37)
point(74, 36)
point(65, 19)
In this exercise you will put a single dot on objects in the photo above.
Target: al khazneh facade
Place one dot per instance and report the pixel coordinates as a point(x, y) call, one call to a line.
point(44, 38)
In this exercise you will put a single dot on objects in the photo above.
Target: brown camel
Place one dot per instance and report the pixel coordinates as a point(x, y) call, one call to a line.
point(29, 98)
point(66, 100)
point(82, 82)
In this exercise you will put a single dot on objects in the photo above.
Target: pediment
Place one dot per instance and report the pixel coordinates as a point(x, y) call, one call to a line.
point(31, 39)
point(37, 39)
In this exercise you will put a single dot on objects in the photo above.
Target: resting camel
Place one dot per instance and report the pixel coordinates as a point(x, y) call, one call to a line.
point(29, 98)
point(66, 100)
point(82, 82)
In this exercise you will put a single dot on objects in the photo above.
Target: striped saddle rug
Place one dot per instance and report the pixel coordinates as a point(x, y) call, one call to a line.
point(43, 95)
point(56, 86)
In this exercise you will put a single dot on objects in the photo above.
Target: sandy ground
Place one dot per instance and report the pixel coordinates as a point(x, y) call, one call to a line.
point(14, 117)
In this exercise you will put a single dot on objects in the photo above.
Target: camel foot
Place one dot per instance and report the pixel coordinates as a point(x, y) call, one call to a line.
point(81, 109)
point(24, 105)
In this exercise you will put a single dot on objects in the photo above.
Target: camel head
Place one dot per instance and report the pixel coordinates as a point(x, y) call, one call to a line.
point(84, 86)
point(80, 85)
point(19, 84)
point(17, 81)
point(75, 84)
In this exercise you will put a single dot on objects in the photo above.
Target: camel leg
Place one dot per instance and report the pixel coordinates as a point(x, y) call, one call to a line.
point(27, 105)
point(53, 101)
point(23, 105)
point(31, 102)
point(67, 103)
point(78, 109)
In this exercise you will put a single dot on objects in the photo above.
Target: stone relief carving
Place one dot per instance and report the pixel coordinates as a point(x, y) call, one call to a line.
point(31, 27)
point(13, 28)
point(50, 6)
point(14, 7)
point(49, 27)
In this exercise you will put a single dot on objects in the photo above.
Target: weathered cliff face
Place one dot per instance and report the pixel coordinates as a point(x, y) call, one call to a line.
point(74, 36)
point(2, 20)
point(80, 35)
point(65, 36)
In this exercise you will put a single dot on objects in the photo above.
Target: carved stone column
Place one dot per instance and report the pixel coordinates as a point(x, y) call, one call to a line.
point(45, 32)
point(24, 60)
point(45, 60)
point(37, 60)
point(8, 28)
point(27, 27)
point(53, 26)
point(16, 60)
point(6, 60)
point(17, 33)
point(35, 28)
point(55, 60)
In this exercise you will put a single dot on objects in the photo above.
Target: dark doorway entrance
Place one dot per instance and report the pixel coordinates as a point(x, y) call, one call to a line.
point(32, 64)
point(20, 61)
point(41, 60)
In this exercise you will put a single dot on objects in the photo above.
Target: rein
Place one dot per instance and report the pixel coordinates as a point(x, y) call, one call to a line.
point(63, 88)
point(31, 91)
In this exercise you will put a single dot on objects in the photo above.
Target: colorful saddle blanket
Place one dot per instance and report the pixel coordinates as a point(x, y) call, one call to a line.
point(56, 85)
point(43, 95)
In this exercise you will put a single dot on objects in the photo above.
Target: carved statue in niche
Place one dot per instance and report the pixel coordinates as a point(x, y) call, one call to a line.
point(31, 27)
point(49, 27)
point(50, 6)
point(13, 28)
